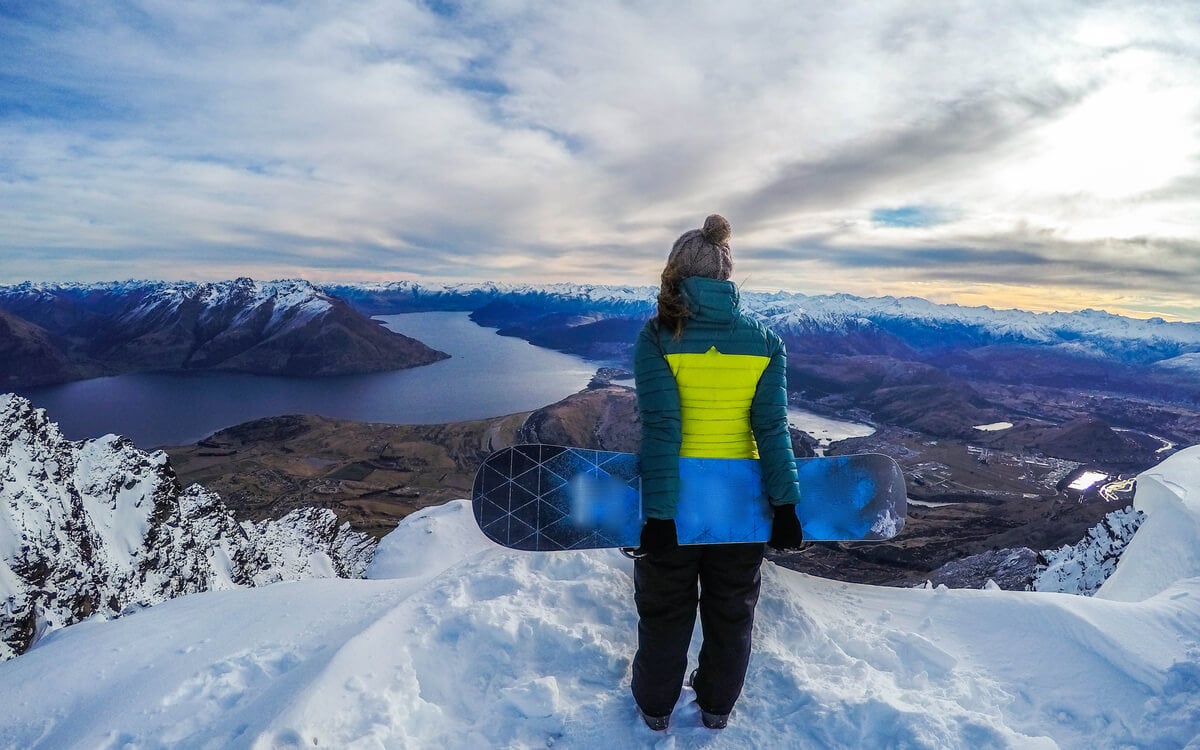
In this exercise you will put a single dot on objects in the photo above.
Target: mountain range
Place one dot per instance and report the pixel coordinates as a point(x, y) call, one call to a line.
point(53, 333)
point(938, 369)
point(97, 530)
point(839, 323)
point(843, 349)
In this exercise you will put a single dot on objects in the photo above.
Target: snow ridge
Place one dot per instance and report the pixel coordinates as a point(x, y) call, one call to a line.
point(97, 527)
point(276, 306)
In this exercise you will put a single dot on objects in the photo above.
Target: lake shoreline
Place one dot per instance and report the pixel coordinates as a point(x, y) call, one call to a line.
point(485, 376)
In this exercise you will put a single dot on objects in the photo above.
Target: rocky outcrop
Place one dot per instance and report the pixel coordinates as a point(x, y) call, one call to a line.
point(1081, 568)
point(97, 527)
point(1078, 568)
point(1009, 569)
point(601, 418)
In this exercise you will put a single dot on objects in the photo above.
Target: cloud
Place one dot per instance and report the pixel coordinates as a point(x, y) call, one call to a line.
point(509, 140)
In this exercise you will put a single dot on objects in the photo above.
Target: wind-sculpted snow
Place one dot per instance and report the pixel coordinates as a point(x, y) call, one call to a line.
point(1166, 547)
point(96, 527)
point(455, 643)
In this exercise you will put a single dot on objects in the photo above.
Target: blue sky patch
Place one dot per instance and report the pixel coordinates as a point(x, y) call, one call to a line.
point(909, 216)
point(443, 8)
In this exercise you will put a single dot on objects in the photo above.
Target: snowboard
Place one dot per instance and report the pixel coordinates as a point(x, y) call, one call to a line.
point(551, 497)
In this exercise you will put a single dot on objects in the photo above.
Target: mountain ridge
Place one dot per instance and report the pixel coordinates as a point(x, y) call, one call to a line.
point(266, 328)
point(96, 527)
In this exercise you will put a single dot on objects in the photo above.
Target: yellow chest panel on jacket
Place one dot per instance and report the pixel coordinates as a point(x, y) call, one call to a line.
point(715, 393)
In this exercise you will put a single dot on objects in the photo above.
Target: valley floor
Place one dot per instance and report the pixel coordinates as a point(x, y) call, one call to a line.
point(968, 499)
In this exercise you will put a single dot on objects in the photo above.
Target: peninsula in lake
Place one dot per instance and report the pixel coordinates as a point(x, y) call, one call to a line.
point(59, 333)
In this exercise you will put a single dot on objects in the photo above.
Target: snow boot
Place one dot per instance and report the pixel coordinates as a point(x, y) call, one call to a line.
point(712, 721)
point(657, 723)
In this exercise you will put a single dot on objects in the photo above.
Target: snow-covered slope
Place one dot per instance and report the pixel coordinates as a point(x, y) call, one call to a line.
point(454, 643)
point(95, 527)
point(1166, 547)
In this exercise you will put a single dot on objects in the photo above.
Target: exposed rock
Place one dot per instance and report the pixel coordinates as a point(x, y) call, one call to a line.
point(803, 444)
point(1081, 568)
point(1010, 569)
point(95, 527)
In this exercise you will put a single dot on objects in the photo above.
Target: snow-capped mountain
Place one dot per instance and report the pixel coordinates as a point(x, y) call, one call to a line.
point(919, 322)
point(294, 327)
point(582, 318)
point(277, 327)
point(905, 361)
point(409, 296)
point(1100, 332)
point(452, 642)
point(95, 527)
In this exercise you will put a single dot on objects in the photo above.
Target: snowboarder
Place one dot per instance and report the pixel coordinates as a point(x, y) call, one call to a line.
point(711, 382)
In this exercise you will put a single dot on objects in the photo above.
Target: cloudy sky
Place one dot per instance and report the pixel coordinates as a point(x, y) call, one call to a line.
point(1042, 155)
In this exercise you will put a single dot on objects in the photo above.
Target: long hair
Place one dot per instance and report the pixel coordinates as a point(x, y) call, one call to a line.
point(672, 310)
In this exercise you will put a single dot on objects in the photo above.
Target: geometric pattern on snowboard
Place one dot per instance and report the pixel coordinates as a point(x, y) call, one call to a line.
point(550, 497)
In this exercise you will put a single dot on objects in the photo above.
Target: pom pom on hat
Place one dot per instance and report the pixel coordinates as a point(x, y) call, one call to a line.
point(717, 230)
point(704, 252)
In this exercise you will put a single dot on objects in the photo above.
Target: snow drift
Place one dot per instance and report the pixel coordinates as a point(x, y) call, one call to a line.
point(455, 643)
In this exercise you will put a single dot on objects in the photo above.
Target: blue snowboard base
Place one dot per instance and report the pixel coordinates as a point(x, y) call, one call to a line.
point(549, 497)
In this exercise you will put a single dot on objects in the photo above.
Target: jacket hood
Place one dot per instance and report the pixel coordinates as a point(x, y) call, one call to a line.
point(710, 300)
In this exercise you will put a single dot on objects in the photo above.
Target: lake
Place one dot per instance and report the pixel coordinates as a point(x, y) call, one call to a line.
point(826, 430)
point(487, 375)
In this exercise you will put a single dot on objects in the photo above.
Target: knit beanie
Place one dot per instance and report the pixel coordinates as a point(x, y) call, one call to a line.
point(704, 252)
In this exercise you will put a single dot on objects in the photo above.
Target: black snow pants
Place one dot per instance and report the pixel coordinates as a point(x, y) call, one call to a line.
point(665, 592)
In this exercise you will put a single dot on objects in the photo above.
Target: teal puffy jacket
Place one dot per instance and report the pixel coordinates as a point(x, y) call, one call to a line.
point(719, 391)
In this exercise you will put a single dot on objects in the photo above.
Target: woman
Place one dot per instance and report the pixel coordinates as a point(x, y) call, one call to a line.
point(712, 383)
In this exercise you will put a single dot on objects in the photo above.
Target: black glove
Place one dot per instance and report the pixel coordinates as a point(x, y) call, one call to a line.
point(658, 535)
point(785, 529)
